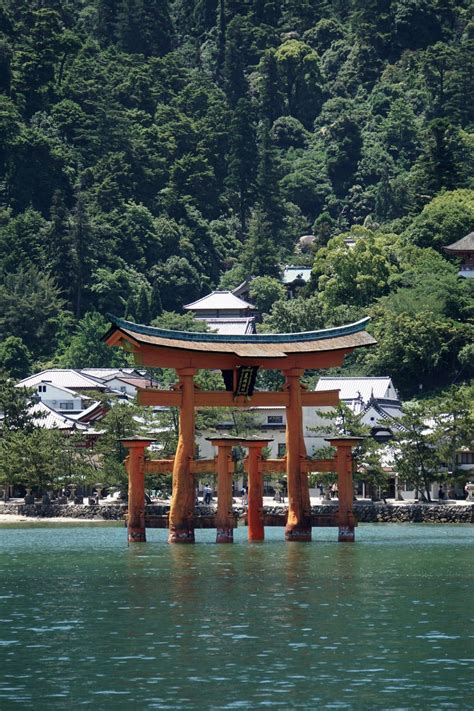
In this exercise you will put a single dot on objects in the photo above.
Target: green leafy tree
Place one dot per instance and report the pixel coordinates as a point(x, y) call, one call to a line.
point(353, 276)
point(301, 79)
point(444, 220)
point(452, 421)
point(33, 459)
point(366, 456)
point(416, 458)
point(179, 322)
point(264, 291)
point(30, 306)
point(293, 316)
point(119, 422)
point(15, 406)
point(86, 348)
point(407, 340)
point(15, 358)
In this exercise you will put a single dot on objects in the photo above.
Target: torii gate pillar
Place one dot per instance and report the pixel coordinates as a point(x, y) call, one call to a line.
point(181, 522)
point(345, 487)
point(298, 525)
point(224, 515)
point(135, 465)
point(256, 531)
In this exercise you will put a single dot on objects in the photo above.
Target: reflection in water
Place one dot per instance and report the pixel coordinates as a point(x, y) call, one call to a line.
point(88, 621)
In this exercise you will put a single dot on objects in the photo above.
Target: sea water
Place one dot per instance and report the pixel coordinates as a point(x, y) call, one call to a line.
point(385, 623)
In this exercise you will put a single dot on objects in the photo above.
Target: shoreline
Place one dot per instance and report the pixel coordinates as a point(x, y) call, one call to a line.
point(21, 518)
point(365, 512)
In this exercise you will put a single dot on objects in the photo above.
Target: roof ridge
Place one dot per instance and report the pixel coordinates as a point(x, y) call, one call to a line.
point(253, 339)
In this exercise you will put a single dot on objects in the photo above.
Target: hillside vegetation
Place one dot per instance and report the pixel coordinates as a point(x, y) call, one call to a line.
point(152, 150)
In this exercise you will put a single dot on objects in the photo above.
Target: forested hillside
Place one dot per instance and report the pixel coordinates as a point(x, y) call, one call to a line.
point(151, 150)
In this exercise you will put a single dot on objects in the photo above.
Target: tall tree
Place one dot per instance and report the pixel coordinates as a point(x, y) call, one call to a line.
point(242, 164)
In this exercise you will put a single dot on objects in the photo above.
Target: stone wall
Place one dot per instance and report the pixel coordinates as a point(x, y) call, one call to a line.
point(101, 513)
point(366, 512)
point(415, 513)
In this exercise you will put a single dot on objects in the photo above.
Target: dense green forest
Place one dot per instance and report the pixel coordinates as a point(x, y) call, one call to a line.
point(152, 150)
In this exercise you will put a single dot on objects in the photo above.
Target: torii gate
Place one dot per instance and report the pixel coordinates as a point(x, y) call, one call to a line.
point(239, 357)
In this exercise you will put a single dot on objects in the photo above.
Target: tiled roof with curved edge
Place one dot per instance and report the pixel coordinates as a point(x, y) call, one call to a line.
point(465, 244)
point(218, 301)
point(352, 335)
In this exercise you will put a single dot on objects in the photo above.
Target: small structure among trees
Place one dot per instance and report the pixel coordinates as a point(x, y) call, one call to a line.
point(464, 249)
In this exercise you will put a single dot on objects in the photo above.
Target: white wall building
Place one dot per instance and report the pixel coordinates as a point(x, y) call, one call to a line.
point(225, 313)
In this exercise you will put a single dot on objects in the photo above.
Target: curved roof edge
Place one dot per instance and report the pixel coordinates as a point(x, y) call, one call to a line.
point(201, 336)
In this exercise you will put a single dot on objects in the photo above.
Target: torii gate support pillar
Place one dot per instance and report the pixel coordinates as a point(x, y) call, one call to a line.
point(298, 525)
point(181, 521)
point(135, 465)
point(224, 515)
point(345, 486)
point(256, 530)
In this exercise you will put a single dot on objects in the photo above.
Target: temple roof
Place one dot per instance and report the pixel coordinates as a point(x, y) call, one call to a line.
point(465, 244)
point(362, 388)
point(50, 419)
point(275, 345)
point(219, 300)
point(63, 377)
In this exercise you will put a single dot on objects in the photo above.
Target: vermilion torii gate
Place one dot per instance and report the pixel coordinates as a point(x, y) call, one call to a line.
point(239, 358)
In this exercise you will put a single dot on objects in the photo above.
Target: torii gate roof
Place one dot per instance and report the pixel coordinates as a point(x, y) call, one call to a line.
point(168, 348)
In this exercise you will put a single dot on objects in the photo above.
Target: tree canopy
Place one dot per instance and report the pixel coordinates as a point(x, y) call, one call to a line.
point(150, 151)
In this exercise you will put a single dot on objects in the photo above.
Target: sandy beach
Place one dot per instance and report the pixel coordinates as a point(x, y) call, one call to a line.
point(18, 518)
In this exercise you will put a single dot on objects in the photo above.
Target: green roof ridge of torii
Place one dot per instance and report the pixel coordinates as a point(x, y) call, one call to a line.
point(205, 337)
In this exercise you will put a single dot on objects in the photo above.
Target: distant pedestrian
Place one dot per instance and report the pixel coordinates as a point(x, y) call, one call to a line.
point(334, 491)
point(441, 493)
point(207, 494)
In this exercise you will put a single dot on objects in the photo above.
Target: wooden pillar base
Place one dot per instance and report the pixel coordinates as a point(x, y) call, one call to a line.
point(299, 533)
point(225, 535)
point(346, 534)
point(181, 535)
point(136, 535)
point(254, 535)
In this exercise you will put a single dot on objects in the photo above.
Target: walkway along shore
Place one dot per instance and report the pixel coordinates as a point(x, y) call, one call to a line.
point(365, 511)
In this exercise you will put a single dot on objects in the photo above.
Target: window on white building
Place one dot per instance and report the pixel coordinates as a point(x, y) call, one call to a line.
point(41, 388)
point(275, 419)
point(66, 406)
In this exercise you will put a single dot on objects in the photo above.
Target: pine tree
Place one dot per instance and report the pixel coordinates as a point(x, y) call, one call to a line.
point(131, 308)
point(242, 168)
point(156, 307)
point(235, 82)
point(107, 20)
point(59, 247)
point(271, 98)
point(142, 311)
point(260, 256)
point(269, 198)
point(144, 27)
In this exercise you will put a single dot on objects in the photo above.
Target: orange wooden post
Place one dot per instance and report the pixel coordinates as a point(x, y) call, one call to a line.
point(256, 531)
point(181, 521)
point(345, 487)
point(298, 525)
point(135, 465)
point(224, 515)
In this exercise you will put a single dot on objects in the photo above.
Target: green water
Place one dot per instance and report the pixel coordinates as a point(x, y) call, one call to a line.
point(385, 623)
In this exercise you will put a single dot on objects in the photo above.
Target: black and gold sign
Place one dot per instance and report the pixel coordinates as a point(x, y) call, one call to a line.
point(246, 376)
